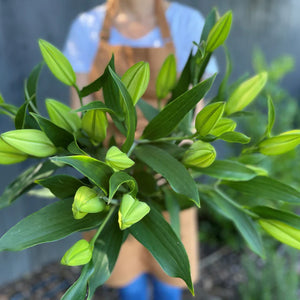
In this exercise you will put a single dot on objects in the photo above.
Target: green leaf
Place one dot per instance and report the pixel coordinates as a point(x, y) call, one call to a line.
point(173, 209)
point(231, 210)
point(148, 110)
point(62, 115)
point(208, 117)
point(106, 251)
point(78, 290)
point(175, 111)
point(105, 254)
point(282, 232)
point(95, 105)
point(234, 137)
point(25, 181)
point(62, 186)
point(271, 116)
point(154, 232)
point(42, 227)
point(171, 169)
point(266, 187)
point(30, 141)
point(119, 178)
point(31, 84)
point(245, 93)
point(58, 136)
point(228, 170)
point(97, 84)
point(219, 32)
point(136, 80)
point(166, 78)
point(130, 111)
point(210, 21)
point(57, 63)
point(21, 116)
point(96, 171)
point(270, 213)
point(184, 80)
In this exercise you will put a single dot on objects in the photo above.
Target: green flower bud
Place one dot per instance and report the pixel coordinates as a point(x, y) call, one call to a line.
point(246, 92)
point(208, 117)
point(86, 201)
point(30, 141)
point(57, 63)
point(166, 77)
point(131, 211)
point(219, 32)
point(282, 232)
point(79, 254)
point(94, 123)
point(223, 125)
point(136, 80)
point(117, 159)
point(200, 155)
point(62, 115)
point(10, 155)
point(280, 144)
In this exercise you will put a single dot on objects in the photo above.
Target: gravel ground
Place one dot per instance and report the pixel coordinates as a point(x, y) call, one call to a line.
point(220, 276)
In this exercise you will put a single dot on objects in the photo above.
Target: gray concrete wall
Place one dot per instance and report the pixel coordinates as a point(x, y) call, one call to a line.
point(271, 24)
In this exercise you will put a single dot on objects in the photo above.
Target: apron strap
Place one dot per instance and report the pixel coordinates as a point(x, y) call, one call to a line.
point(111, 11)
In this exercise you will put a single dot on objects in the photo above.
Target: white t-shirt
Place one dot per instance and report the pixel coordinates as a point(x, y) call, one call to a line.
point(185, 24)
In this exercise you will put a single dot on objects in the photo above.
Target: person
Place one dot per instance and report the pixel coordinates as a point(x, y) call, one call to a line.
point(134, 31)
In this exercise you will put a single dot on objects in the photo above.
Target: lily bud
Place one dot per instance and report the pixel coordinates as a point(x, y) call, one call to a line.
point(79, 254)
point(208, 117)
point(86, 201)
point(57, 63)
point(131, 211)
point(10, 155)
point(136, 80)
point(280, 144)
point(200, 155)
point(30, 141)
point(223, 125)
point(94, 123)
point(166, 77)
point(246, 92)
point(62, 115)
point(219, 32)
point(117, 159)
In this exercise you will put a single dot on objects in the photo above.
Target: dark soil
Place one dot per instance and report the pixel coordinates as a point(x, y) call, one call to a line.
point(220, 276)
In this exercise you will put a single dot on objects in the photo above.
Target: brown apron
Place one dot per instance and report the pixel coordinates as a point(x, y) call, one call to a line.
point(134, 259)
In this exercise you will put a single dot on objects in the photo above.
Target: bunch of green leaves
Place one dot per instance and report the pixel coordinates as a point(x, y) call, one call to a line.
point(123, 188)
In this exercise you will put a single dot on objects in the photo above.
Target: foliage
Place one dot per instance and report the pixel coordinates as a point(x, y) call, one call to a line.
point(274, 278)
point(123, 188)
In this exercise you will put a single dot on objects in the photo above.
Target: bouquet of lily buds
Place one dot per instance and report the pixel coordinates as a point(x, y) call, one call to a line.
point(122, 189)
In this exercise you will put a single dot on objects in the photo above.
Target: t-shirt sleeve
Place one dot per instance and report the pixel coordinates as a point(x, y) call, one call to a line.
point(82, 42)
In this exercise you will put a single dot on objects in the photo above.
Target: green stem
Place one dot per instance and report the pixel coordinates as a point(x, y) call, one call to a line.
point(78, 93)
point(110, 213)
point(167, 139)
point(246, 211)
point(132, 148)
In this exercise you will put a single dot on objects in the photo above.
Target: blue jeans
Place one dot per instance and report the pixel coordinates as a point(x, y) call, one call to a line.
point(140, 288)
